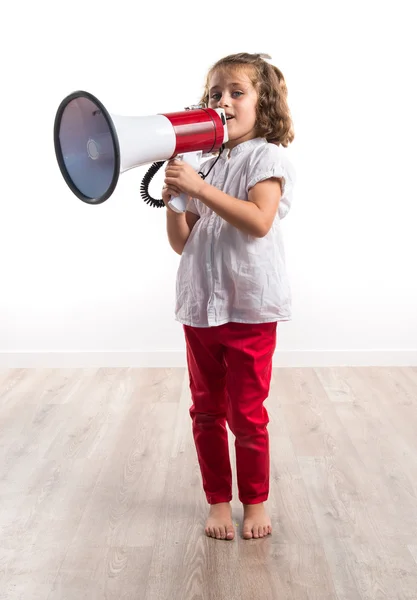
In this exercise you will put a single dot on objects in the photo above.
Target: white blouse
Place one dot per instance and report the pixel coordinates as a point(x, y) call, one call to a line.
point(225, 274)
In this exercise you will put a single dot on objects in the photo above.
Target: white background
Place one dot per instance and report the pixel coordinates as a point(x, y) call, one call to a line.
point(100, 280)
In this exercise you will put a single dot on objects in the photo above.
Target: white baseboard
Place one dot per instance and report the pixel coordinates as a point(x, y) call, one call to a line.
point(292, 358)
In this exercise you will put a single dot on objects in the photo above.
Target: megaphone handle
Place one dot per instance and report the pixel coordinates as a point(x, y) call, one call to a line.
point(179, 204)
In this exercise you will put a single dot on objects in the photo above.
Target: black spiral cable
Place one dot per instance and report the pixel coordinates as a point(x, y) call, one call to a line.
point(145, 185)
point(153, 169)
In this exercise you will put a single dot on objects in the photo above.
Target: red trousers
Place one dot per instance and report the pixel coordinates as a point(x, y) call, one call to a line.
point(230, 370)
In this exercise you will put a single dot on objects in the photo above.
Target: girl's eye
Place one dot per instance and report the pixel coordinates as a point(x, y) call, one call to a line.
point(217, 96)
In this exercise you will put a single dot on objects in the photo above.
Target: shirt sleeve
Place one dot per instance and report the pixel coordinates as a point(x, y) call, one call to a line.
point(269, 162)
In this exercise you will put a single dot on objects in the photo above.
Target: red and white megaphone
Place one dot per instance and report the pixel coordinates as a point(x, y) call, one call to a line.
point(93, 147)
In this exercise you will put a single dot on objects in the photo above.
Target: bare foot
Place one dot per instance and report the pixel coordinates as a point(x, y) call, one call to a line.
point(256, 523)
point(219, 523)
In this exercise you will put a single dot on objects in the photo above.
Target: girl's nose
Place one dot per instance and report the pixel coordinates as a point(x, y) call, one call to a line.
point(223, 102)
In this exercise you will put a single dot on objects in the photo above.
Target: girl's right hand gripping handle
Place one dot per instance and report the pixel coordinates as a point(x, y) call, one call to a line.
point(179, 204)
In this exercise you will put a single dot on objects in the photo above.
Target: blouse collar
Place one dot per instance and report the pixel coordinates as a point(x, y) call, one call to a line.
point(242, 147)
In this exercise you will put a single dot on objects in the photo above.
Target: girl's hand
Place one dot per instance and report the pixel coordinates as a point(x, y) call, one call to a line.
point(169, 192)
point(180, 175)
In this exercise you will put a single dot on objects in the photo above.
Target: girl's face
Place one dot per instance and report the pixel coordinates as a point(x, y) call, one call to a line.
point(233, 91)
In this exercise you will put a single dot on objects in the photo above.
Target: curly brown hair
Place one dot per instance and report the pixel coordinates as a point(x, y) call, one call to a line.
point(273, 117)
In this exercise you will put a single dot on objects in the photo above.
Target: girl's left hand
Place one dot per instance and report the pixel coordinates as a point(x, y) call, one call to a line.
point(181, 175)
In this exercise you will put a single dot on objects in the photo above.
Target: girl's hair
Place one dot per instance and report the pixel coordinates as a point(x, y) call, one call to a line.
point(273, 117)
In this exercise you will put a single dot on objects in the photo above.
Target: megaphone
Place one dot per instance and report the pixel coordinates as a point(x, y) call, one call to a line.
point(93, 147)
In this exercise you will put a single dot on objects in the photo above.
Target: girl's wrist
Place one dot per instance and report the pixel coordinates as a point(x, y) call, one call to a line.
point(202, 190)
point(173, 214)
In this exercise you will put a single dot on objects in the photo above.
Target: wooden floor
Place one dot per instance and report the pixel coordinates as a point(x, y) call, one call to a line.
point(101, 498)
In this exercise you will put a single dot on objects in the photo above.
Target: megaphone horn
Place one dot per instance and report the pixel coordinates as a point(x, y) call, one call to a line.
point(93, 147)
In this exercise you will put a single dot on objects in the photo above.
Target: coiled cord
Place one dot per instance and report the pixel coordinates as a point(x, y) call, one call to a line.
point(156, 203)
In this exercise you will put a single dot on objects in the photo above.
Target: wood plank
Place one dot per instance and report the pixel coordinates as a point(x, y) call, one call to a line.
point(101, 495)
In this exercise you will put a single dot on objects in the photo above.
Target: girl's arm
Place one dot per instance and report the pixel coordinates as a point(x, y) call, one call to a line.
point(179, 227)
point(255, 216)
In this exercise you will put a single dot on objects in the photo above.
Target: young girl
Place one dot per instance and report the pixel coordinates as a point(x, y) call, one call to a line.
point(232, 286)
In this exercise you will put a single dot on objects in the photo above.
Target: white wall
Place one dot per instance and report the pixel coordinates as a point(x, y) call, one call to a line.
point(100, 279)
